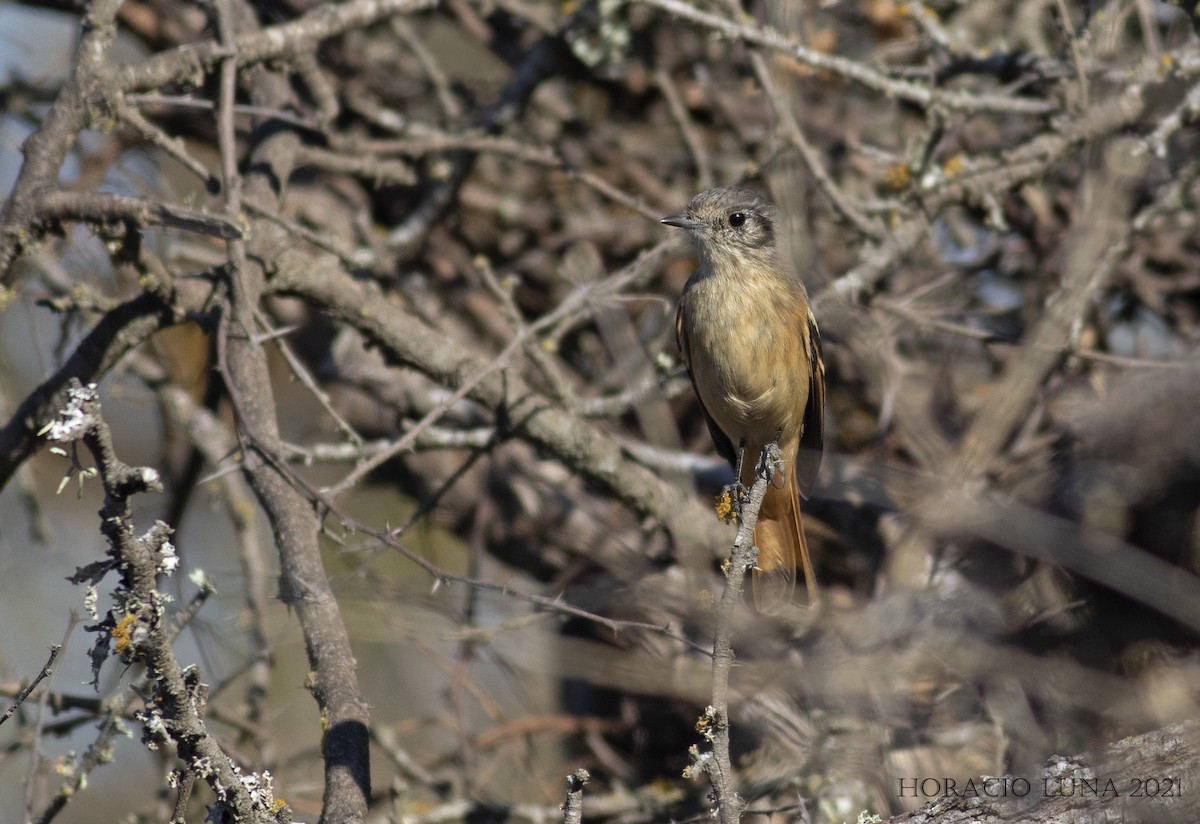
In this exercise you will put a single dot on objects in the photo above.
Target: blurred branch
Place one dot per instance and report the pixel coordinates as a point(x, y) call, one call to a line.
point(578, 444)
point(1091, 552)
point(866, 226)
point(1090, 261)
point(852, 69)
point(1169, 757)
point(116, 333)
point(47, 668)
point(259, 46)
point(101, 207)
point(46, 149)
point(540, 62)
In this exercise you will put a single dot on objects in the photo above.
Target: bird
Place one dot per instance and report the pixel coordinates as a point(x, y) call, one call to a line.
point(746, 332)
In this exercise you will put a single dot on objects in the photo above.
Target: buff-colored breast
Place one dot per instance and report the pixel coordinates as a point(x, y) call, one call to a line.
point(751, 373)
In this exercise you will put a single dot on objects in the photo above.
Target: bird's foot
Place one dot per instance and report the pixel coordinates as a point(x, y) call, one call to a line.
point(771, 465)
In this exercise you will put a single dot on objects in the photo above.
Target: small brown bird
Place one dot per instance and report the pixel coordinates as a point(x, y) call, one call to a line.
point(751, 345)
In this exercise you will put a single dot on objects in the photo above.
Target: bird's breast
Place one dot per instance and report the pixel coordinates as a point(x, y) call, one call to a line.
point(747, 354)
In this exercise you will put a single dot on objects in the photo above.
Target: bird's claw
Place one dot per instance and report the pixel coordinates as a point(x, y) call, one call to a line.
point(771, 465)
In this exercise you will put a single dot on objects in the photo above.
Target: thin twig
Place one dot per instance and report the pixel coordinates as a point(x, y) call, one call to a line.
point(718, 764)
point(47, 669)
point(302, 374)
point(1077, 57)
point(172, 145)
point(433, 142)
point(808, 154)
point(35, 749)
point(575, 301)
point(853, 70)
point(687, 129)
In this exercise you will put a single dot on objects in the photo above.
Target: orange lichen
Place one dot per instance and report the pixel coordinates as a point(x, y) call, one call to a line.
point(724, 506)
point(898, 176)
point(122, 633)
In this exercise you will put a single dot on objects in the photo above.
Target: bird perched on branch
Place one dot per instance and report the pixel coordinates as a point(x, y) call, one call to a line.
point(752, 348)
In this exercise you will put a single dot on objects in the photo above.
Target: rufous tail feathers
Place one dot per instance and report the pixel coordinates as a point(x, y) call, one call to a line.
point(782, 547)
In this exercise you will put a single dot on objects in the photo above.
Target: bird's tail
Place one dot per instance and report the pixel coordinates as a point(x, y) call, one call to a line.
point(779, 536)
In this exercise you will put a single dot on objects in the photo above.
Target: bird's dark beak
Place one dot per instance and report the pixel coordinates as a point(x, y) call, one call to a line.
point(683, 222)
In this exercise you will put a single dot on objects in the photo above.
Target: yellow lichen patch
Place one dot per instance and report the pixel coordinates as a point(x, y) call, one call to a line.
point(954, 166)
point(122, 633)
point(724, 506)
point(898, 176)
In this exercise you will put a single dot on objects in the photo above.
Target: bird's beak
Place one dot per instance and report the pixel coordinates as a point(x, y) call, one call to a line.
point(683, 222)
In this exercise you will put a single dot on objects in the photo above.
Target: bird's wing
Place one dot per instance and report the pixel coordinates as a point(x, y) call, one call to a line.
point(725, 447)
point(808, 457)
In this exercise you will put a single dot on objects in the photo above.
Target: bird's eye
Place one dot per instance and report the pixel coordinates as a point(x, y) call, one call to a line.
point(737, 219)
